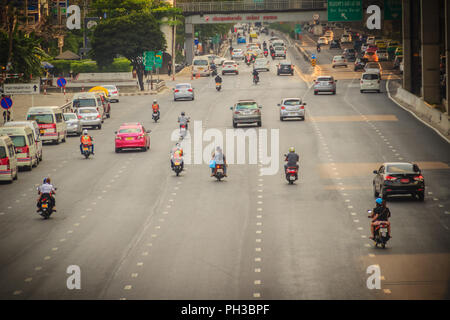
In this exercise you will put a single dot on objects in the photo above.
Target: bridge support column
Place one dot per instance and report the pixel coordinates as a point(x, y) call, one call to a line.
point(430, 51)
point(447, 53)
point(189, 42)
point(407, 50)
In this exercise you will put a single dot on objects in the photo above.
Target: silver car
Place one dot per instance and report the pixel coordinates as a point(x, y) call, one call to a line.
point(74, 125)
point(183, 91)
point(261, 64)
point(292, 108)
point(113, 92)
point(325, 84)
point(245, 112)
point(89, 117)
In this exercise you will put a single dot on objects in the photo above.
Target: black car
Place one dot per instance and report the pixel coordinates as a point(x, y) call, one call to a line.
point(398, 178)
point(349, 54)
point(334, 44)
point(360, 63)
point(285, 68)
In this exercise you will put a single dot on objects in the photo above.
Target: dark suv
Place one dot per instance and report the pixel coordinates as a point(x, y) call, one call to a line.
point(285, 68)
point(350, 54)
point(334, 44)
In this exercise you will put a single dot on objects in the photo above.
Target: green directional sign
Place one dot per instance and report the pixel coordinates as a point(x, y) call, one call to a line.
point(345, 10)
point(149, 60)
point(298, 28)
point(392, 9)
point(158, 59)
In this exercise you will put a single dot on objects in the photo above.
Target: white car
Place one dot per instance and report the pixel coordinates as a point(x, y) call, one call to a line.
point(292, 108)
point(370, 40)
point(322, 40)
point(339, 61)
point(373, 67)
point(261, 64)
point(230, 66)
point(216, 59)
point(370, 82)
point(237, 54)
point(113, 92)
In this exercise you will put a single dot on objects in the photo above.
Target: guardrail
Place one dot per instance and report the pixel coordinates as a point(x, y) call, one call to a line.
point(67, 107)
point(268, 5)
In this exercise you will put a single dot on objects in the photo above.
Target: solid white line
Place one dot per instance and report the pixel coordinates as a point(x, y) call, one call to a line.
point(425, 123)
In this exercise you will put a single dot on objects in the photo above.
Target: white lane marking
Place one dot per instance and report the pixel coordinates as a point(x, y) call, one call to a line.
point(70, 231)
point(76, 224)
point(259, 216)
point(367, 245)
point(353, 213)
point(149, 244)
point(38, 268)
point(258, 240)
point(168, 206)
point(134, 275)
point(355, 220)
point(47, 258)
point(259, 202)
point(2, 213)
point(29, 279)
point(127, 287)
point(158, 227)
point(154, 235)
point(165, 212)
point(387, 291)
point(363, 236)
point(256, 295)
point(440, 205)
point(54, 249)
point(359, 228)
point(259, 223)
point(145, 253)
point(257, 269)
point(258, 231)
point(83, 216)
point(258, 249)
point(62, 240)
point(259, 209)
point(371, 255)
point(350, 207)
point(435, 199)
point(258, 259)
point(257, 282)
point(140, 264)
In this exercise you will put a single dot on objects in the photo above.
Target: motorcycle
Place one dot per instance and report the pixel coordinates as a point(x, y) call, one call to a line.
point(177, 166)
point(273, 55)
point(86, 150)
point(291, 174)
point(155, 116)
point(218, 86)
point(183, 131)
point(381, 236)
point(247, 61)
point(255, 79)
point(266, 53)
point(218, 172)
point(214, 72)
point(318, 48)
point(45, 207)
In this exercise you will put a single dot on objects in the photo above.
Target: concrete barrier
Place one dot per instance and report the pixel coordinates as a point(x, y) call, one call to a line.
point(429, 113)
point(106, 76)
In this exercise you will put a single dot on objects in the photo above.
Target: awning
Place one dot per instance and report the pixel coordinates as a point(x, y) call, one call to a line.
point(46, 65)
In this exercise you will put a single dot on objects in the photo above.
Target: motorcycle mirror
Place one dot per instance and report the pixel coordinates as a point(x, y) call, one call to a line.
point(375, 171)
point(278, 104)
point(115, 132)
point(231, 108)
point(304, 103)
point(260, 106)
point(369, 211)
point(148, 131)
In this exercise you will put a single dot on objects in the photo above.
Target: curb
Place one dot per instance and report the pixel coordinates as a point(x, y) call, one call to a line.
point(414, 114)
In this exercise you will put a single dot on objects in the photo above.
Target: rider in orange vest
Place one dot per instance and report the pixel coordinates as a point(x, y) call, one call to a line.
point(86, 139)
point(155, 107)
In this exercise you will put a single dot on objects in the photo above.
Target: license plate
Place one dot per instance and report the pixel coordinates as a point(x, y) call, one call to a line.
point(177, 163)
point(44, 206)
point(404, 180)
point(292, 178)
point(383, 230)
point(42, 131)
point(85, 149)
point(292, 113)
point(130, 138)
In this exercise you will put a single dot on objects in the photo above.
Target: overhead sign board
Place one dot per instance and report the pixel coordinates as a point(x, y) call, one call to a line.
point(241, 18)
point(345, 10)
point(392, 9)
point(21, 88)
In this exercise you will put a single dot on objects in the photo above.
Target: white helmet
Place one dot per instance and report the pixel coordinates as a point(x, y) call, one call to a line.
point(154, 101)
point(85, 132)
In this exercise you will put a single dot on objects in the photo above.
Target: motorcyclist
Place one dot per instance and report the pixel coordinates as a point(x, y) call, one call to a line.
point(318, 47)
point(292, 158)
point(255, 74)
point(183, 120)
point(176, 153)
point(219, 158)
point(264, 44)
point(86, 139)
point(214, 67)
point(46, 189)
point(380, 213)
point(155, 107)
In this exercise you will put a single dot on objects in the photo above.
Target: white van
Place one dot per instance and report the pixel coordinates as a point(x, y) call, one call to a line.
point(370, 81)
point(36, 133)
point(8, 159)
point(88, 99)
point(24, 145)
point(50, 120)
point(200, 65)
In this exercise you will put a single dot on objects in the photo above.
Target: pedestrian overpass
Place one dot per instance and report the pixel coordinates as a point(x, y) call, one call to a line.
point(247, 11)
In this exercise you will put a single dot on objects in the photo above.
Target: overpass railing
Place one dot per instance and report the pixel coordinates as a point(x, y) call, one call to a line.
point(235, 6)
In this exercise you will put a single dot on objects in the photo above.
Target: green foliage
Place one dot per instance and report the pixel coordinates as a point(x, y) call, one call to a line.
point(26, 53)
point(287, 28)
point(89, 66)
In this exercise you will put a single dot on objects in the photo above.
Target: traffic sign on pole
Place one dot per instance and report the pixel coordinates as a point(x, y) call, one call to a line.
point(21, 88)
point(149, 60)
point(61, 82)
point(6, 103)
point(298, 28)
point(392, 9)
point(158, 59)
point(349, 10)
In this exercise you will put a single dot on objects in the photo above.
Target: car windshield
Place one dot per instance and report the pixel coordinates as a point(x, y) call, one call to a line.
point(229, 62)
point(325, 79)
point(19, 141)
point(279, 48)
point(130, 130)
point(200, 62)
point(246, 105)
point(370, 53)
point(87, 110)
point(400, 168)
point(373, 66)
point(2, 152)
point(41, 118)
point(84, 103)
point(182, 86)
point(293, 102)
point(370, 76)
point(69, 117)
point(109, 87)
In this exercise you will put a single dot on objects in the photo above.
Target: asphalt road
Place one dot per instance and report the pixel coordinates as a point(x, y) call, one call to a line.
point(138, 232)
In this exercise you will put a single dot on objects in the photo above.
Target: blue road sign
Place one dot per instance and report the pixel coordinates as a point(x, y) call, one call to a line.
point(6, 103)
point(196, 41)
point(61, 82)
point(313, 56)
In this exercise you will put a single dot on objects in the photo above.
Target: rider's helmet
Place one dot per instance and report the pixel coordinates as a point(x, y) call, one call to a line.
point(291, 149)
point(182, 113)
point(85, 132)
point(155, 102)
point(379, 201)
point(46, 180)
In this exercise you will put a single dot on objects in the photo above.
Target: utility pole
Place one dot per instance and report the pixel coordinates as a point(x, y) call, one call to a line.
point(84, 28)
point(174, 34)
